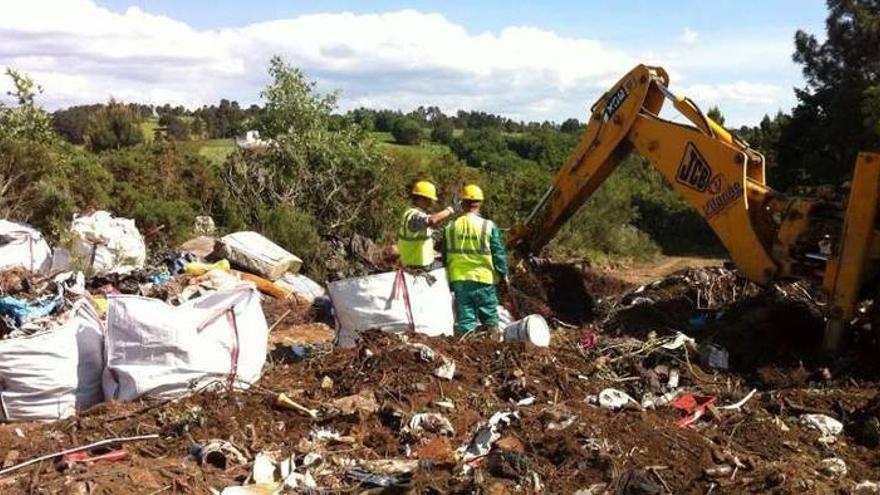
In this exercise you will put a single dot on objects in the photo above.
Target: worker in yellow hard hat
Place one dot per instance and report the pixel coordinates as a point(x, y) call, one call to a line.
point(414, 241)
point(475, 262)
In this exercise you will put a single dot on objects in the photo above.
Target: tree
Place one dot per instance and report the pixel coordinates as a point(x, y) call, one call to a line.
point(714, 113)
point(112, 127)
point(334, 175)
point(174, 126)
point(406, 131)
point(27, 120)
point(839, 108)
point(442, 132)
point(570, 125)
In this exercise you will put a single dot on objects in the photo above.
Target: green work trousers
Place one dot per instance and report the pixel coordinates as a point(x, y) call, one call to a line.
point(475, 304)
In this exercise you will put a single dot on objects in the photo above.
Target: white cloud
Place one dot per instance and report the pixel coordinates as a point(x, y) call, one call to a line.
point(740, 91)
point(82, 53)
point(689, 36)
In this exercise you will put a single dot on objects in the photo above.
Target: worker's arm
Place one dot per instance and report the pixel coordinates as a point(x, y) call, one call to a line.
point(423, 221)
point(499, 254)
point(440, 217)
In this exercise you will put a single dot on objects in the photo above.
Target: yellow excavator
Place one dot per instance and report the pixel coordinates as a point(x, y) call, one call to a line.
point(769, 236)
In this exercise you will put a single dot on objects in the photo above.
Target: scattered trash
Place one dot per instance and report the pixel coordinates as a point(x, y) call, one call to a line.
point(834, 467)
point(714, 356)
point(202, 247)
point(85, 457)
point(446, 370)
point(258, 255)
point(614, 399)
point(430, 423)
point(367, 478)
point(528, 401)
point(532, 328)
point(678, 341)
point(445, 404)
point(219, 453)
point(588, 340)
point(866, 488)
point(282, 400)
point(105, 244)
point(738, 405)
point(487, 434)
point(303, 287)
point(722, 471)
point(263, 470)
point(826, 425)
point(326, 383)
point(694, 406)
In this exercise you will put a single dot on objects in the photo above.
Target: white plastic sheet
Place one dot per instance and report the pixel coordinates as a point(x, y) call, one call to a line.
point(371, 302)
point(259, 255)
point(302, 286)
point(52, 375)
point(159, 350)
point(22, 246)
point(104, 244)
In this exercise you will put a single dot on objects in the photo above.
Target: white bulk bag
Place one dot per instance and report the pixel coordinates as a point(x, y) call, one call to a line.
point(373, 302)
point(53, 374)
point(103, 244)
point(22, 246)
point(160, 350)
point(258, 255)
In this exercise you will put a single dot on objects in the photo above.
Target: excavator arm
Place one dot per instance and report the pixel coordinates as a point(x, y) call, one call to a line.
point(716, 173)
point(768, 235)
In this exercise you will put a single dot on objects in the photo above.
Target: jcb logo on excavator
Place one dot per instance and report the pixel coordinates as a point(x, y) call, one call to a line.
point(615, 102)
point(693, 171)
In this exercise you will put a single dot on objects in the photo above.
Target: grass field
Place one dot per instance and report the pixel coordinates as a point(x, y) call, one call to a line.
point(216, 150)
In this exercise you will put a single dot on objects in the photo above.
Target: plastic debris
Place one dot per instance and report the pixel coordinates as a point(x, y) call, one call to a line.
point(431, 423)
point(528, 401)
point(258, 255)
point(866, 488)
point(218, 453)
point(614, 399)
point(714, 356)
point(826, 425)
point(105, 244)
point(678, 341)
point(532, 328)
point(368, 478)
point(446, 370)
point(486, 435)
point(20, 311)
point(694, 406)
point(834, 467)
point(588, 340)
point(22, 246)
point(738, 404)
point(263, 470)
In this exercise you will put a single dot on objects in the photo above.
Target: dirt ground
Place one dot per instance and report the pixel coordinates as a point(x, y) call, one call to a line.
point(610, 334)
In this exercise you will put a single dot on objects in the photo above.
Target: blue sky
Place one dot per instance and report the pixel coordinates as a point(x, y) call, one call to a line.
point(528, 60)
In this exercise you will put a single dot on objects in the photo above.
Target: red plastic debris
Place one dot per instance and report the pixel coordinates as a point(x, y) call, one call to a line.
point(86, 457)
point(694, 406)
point(588, 340)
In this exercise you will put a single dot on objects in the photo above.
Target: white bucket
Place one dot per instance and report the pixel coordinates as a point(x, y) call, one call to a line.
point(532, 328)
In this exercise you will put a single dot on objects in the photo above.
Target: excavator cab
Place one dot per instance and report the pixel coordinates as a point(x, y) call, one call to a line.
point(769, 235)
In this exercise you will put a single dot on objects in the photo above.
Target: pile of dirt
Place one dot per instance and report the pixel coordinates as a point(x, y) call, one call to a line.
point(510, 418)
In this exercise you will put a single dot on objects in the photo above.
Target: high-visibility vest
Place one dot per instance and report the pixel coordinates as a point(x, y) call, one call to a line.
point(415, 246)
point(468, 253)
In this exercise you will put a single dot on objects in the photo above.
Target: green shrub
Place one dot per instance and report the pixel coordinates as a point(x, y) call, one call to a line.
point(406, 131)
point(296, 232)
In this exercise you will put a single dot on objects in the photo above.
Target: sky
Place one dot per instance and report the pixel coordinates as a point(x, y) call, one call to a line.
point(539, 61)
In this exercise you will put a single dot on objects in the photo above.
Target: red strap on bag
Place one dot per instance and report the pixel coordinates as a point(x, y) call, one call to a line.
point(400, 288)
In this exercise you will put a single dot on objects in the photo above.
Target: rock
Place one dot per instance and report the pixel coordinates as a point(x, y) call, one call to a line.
point(510, 444)
point(326, 383)
point(866, 488)
point(364, 402)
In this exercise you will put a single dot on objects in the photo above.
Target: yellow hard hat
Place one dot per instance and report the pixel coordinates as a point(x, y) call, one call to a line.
point(472, 192)
point(425, 189)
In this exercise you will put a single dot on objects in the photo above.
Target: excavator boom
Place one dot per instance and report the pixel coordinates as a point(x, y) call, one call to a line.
point(767, 234)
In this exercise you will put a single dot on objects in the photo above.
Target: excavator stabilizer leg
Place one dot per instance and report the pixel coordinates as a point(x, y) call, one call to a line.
point(845, 271)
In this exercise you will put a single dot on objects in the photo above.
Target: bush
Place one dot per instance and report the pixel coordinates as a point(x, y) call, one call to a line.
point(406, 131)
point(442, 132)
point(113, 127)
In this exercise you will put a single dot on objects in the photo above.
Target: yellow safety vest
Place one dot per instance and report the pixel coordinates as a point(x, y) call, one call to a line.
point(415, 246)
point(468, 253)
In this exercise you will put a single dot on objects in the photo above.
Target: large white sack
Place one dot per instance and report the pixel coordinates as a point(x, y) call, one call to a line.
point(371, 302)
point(22, 246)
point(259, 255)
point(105, 244)
point(53, 374)
point(160, 350)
